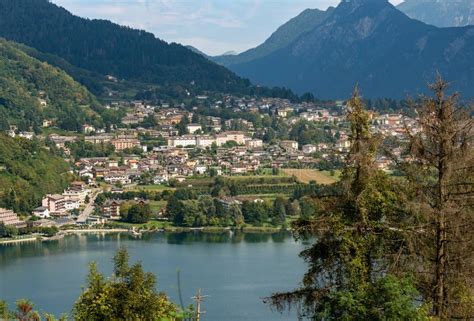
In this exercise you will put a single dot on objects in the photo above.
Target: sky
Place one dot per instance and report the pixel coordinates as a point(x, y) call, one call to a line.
point(212, 26)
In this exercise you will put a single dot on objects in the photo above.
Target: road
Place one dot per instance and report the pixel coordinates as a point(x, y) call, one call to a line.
point(82, 218)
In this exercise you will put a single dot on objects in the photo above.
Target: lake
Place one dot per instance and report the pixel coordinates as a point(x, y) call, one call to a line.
point(236, 270)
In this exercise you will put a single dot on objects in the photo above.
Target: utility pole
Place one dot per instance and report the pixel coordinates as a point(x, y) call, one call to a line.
point(199, 299)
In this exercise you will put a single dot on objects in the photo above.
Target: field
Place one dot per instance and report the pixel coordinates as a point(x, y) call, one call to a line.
point(308, 175)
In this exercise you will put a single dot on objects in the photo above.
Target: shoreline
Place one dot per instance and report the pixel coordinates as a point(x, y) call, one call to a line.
point(172, 229)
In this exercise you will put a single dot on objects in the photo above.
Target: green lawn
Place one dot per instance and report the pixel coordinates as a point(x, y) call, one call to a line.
point(154, 188)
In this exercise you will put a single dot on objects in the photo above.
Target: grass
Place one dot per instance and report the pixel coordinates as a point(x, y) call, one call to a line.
point(308, 175)
point(157, 205)
point(154, 188)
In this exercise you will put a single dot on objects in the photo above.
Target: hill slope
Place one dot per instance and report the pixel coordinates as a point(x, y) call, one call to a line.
point(31, 91)
point(440, 13)
point(282, 37)
point(109, 49)
point(27, 172)
point(373, 43)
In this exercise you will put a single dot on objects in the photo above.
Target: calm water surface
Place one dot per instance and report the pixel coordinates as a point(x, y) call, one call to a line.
point(235, 270)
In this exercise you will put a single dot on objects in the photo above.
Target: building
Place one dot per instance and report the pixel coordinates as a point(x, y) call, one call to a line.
point(10, 218)
point(236, 136)
point(41, 212)
point(182, 141)
point(309, 149)
point(254, 143)
point(289, 145)
point(56, 204)
point(192, 128)
point(111, 209)
point(122, 143)
point(204, 141)
point(117, 178)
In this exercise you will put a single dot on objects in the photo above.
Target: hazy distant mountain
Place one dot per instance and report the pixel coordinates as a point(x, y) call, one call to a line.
point(441, 13)
point(109, 49)
point(282, 37)
point(196, 50)
point(369, 42)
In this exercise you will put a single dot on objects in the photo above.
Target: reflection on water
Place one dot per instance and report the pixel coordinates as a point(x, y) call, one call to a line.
point(78, 242)
point(236, 269)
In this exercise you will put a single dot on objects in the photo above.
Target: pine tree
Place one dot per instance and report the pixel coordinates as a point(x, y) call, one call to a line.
point(442, 179)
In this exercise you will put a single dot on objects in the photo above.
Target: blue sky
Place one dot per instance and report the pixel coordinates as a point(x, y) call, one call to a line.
point(213, 26)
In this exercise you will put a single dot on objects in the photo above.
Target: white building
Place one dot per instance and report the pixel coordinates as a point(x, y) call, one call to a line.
point(254, 143)
point(192, 128)
point(183, 141)
point(204, 141)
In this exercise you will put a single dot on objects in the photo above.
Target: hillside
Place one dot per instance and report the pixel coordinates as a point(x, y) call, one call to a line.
point(31, 91)
point(103, 47)
point(282, 37)
point(440, 13)
point(372, 43)
point(27, 172)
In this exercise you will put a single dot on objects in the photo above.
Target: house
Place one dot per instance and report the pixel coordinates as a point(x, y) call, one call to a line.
point(289, 145)
point(200, 169)
point(309, 149)
point(192, 128)
point(254, 143)
point(10, 218)
point(111, 209)
point(41, 212)
point(87, 129)
point(117, 178)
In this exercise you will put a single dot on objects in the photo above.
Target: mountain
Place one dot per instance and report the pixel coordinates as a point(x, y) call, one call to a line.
point(440, 13)
point(368, 42)
point(27, 172)
point(31, 91)
point(102, 47)
point(196, 50)
point(282, 37)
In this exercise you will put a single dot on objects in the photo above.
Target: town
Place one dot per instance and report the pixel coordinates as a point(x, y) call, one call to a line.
point(162, 147)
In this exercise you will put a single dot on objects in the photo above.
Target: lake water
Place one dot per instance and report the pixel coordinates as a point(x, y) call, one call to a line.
point(236, 270)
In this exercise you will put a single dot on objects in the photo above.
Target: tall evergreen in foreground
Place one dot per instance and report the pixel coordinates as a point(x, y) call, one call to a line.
point(385, 243)
point(349, 275)
point(442, 179)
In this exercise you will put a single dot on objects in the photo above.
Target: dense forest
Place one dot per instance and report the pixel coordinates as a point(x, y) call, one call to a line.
point(109, 49)
point(31, 91)
point(27, 172)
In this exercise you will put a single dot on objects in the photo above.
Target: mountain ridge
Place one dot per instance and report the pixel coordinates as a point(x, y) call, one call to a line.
point(372, 43)
point(109, 49)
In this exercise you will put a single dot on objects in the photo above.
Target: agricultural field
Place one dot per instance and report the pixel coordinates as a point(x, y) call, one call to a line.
point(308, 175)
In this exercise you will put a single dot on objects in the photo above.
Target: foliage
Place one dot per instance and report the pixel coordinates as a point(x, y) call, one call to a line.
point(129, 295)
point(137, 213)
point(30, 171)
point(349, 267)
point(441, 184)
point(25, 80)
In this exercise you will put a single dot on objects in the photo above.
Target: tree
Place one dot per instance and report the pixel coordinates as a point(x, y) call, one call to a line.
point(129, 295)
point(279, 211)
point(442, 179)
point(139, 213)
point(349, 275)
point(182, 125)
